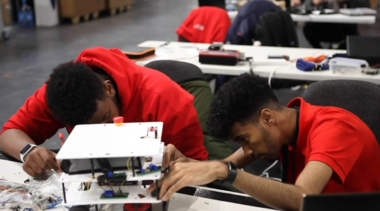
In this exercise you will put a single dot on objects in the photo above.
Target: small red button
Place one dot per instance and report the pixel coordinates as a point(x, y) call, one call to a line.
point(118, 120)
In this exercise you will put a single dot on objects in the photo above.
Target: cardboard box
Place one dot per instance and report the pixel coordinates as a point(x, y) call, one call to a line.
point(7, 12)
point(118, 3)
point(96, 5)
point(73, 8)
point(375, 4)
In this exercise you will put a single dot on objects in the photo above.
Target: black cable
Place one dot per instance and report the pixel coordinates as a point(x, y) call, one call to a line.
point(133, 166)
point(157, 191)
point(139, 162)
point(92, 169)
point(64, 192)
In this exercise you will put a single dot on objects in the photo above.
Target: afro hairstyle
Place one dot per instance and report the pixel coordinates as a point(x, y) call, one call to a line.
point(239, 100)
point(73, 91)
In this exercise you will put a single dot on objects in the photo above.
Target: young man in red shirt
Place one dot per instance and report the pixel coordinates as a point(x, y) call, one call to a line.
point(329, 149)
point(99, 85)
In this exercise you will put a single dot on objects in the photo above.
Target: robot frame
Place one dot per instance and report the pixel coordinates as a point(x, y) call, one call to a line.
point(112, 164)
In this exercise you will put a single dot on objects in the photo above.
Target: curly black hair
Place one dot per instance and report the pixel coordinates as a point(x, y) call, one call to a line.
point(72, 93)
point(239, 100)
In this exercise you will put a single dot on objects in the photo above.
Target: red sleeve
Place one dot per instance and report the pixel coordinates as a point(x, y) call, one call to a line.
point(184, 131)
point(337, 147)
point(35, 118)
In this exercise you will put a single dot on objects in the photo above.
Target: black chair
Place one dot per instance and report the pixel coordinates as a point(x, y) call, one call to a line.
point(179, 72)
point(191, 78)
point(359, 97)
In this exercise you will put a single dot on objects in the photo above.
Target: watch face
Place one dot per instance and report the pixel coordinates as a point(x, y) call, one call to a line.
point(25, 149)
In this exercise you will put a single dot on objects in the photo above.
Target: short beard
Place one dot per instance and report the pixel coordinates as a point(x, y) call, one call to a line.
point(270, 144)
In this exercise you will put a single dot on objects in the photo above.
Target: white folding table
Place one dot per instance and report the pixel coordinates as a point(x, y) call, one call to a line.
point(188, 52)
point(334, 18)
point(12, 171)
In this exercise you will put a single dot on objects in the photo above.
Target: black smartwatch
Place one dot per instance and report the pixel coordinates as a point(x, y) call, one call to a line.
point(28, 148)
point(232, 173)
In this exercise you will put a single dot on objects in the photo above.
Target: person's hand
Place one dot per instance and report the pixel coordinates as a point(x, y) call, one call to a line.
point(189, 173)
point(39, 160)
point(295, 3)
point(172, 154)
point(317, 2)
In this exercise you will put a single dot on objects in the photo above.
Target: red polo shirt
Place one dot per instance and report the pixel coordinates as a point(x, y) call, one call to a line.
point(341, 140)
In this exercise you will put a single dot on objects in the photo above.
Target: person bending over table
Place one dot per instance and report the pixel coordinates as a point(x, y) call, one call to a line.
point(99, 85)
point(328, 149)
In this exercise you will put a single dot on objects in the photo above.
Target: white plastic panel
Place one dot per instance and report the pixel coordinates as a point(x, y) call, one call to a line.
point(109, 140)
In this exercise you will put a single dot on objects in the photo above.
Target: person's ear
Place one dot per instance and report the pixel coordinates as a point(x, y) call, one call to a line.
point(110, 90)
point(267, 116)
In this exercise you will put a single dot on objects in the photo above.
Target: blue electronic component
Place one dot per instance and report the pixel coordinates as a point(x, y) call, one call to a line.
point(110, 174)
point(153, 167)
point(142, 170)
point(109, 193)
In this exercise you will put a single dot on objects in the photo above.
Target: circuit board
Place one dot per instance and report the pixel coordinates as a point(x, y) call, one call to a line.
point(117, 179)
point(149, 172)
point(115, 196)
point(127, 183)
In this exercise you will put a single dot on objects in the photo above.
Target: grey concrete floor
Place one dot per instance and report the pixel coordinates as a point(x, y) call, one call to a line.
point(27, 59)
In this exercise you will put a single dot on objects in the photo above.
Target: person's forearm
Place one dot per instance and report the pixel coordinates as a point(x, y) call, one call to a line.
point(239, 158)
point(13, 141)
point(272, 193)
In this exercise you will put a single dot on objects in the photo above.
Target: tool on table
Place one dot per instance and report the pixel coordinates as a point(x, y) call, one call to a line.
point(216, 54)
point(278, 57)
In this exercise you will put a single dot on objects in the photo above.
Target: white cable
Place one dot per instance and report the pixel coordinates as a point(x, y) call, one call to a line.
point(270, 77)
point(272, 73)
point(271, 166)
point(266, 174)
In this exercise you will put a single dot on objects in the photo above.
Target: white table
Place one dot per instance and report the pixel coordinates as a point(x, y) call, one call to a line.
point(188, 52)
point(334, 18)
point(12, 171)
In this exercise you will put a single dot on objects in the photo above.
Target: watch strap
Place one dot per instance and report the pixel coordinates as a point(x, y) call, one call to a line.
point(232, 173)
point(22, 155)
